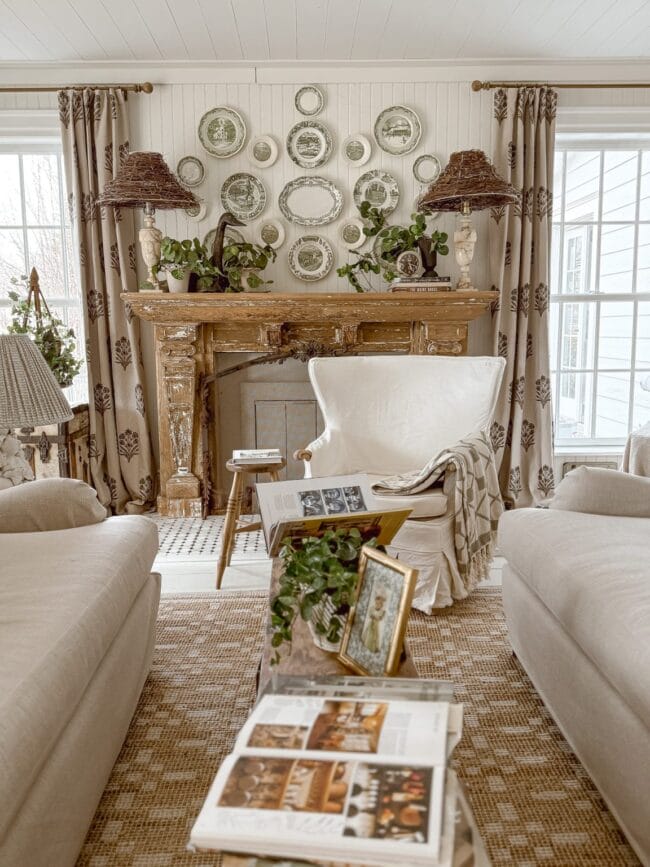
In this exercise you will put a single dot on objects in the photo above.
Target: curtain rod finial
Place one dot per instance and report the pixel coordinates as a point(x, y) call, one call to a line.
point(479, 85)
point(146, 87)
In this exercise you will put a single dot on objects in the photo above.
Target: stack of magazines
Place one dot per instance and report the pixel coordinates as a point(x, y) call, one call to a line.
point(242, 457)
point(339, 772)
point(419, 284)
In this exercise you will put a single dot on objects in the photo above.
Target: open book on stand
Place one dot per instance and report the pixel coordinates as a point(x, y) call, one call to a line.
point(309, 507)
point(337, 779)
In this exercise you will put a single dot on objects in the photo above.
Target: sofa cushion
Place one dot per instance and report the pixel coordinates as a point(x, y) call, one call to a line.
point(429, 504)
point(593, 574)
point(63, 598)
point(49, 504)
point(603, 492)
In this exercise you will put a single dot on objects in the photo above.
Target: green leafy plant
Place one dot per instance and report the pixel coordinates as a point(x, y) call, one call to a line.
point(392, 241)
point(177, 257)
point(243, 262)
point(55, 340)
point(315, 569)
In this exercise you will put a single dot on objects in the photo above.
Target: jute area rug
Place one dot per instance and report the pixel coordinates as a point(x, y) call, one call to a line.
point(533, 801)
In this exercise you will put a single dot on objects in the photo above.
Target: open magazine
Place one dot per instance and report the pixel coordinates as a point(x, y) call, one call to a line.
point(328, 778)
point(309, 507)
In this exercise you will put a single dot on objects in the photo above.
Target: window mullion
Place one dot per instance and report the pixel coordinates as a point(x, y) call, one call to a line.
point(635, 308)
point(23, 211)
point(560, 313)
point(594, 385)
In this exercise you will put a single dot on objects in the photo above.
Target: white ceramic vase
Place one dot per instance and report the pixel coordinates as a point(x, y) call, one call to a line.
point(177, 286)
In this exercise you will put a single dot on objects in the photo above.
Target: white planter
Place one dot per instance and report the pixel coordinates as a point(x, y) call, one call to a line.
point(322, 613)
point(177, 286)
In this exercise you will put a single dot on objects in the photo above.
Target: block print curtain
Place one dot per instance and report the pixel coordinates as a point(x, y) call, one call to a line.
point(94, 131)
point(520, 243)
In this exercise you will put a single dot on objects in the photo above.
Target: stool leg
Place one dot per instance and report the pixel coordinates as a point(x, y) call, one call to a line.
point(274, 475)
point(233, 511)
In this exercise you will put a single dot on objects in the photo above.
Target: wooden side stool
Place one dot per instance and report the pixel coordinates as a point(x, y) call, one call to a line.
point(233, 510)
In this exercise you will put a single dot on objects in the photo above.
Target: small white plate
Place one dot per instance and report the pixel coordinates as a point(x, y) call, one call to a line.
point(351, 233)
point(197, 212)
point(309, 100)
point(311, 258)
point(357, 149)
point(190, 171)
point(427, 168)
point(263, 151)
point(270, 232)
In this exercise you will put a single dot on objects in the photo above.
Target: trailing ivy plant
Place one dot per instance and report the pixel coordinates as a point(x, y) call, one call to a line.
point(243, 262)
point(314, 569)
point(180, 256)
point(55, 340)
point(393, 240)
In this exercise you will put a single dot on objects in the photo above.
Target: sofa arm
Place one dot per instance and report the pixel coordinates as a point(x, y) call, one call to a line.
point(49, 504)
point(598, 491)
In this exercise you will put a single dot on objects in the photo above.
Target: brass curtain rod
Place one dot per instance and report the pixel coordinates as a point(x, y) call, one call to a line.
point(145, 87)
point(492, 85)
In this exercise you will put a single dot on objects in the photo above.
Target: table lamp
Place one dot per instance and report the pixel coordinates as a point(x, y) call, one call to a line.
point(144, 180)
point(29, 396)
point(468, 183)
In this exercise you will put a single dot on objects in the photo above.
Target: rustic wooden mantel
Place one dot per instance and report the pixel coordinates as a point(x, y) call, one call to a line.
point(191, 329)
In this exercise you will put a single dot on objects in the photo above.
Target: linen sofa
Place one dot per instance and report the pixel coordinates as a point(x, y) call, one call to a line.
point(77, 614)
point(576, 594)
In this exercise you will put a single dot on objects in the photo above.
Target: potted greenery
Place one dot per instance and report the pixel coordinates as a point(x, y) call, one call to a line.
point(179, 259)
point(242, 264)
point(318, 584)
point(392, 242)
point(55, 340)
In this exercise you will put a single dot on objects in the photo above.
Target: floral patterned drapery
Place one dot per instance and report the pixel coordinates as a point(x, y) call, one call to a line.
point(95, 137)
point(520, 247)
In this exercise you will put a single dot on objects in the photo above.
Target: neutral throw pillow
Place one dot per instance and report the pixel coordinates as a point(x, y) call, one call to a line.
point(49, 504)
point(603, 492)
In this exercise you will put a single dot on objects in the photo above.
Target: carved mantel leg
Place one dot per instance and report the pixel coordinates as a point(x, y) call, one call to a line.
point(180, 493)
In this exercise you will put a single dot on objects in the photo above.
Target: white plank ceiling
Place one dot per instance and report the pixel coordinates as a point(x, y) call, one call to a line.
point(260, 31)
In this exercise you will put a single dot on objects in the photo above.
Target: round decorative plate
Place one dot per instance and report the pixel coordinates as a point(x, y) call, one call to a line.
point(310, 201)
point(222, 132)
point(398, 130)
point(408, 263)
point(311, 258)
point(190, 171)
point(379, 188)
point(243, 195)
point(351, 233)
point(427, 168)
point(309, 100)
point(357, 149)
point(263, 151)
point(270, 232)
point(309, 144)
point(197, 212)
point(231, 236)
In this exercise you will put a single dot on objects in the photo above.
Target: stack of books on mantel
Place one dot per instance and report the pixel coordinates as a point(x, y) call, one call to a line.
point(420, 284)
point(256, 456)
point(328, 776)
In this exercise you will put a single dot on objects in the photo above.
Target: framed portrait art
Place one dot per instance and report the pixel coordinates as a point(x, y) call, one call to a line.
point(374, 634)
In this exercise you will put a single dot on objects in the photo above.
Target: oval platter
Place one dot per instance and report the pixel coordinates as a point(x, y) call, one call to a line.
point(190, 171)
point(263, 151)
point(379, 188)
point(309, 100)
point(309, 144)
point(311, 258)
point(310, 201)
point(222, 132)
point(398, 130)
point(243, 195)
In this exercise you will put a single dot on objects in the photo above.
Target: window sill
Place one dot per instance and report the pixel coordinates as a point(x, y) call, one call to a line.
point(590, 449)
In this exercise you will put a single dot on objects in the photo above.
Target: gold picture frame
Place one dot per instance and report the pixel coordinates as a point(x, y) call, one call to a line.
point(374, 634)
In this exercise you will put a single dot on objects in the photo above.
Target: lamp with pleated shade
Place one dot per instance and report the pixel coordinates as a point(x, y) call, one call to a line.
point(144, 180)
point(29, 396)
point(468, 183)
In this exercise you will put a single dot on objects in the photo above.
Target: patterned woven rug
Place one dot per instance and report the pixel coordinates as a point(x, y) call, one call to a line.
point(533, 802)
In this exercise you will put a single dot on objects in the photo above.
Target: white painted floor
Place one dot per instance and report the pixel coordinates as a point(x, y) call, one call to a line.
point(189, 550)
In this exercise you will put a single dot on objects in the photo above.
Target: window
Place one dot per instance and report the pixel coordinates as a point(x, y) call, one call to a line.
point(35, 231)
point(600, 288)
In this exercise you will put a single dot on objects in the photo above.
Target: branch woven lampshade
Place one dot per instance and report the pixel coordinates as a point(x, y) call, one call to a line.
point(145, 179)
point(29, 392)
point(469, 177)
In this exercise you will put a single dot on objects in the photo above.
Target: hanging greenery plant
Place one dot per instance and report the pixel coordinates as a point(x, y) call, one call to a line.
point(55, 340)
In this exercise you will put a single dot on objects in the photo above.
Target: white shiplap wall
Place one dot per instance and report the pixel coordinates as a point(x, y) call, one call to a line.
point(452, 118)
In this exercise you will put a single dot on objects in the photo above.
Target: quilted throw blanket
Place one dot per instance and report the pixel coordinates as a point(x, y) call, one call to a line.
point(476, 500)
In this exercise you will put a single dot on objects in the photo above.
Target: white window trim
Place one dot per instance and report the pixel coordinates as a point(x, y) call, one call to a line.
point(590, 128)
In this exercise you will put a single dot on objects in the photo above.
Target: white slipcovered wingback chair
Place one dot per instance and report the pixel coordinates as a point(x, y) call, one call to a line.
point(391, 414)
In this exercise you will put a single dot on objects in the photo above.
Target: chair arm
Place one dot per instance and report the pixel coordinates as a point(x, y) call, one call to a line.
point(449, 480)
point(302, 455)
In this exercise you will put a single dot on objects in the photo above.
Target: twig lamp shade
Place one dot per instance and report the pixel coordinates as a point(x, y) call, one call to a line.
point(144, 180)
point(468, 183)
point(29, 392)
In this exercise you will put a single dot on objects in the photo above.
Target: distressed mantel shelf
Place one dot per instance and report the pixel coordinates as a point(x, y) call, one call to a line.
point(191, 329)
